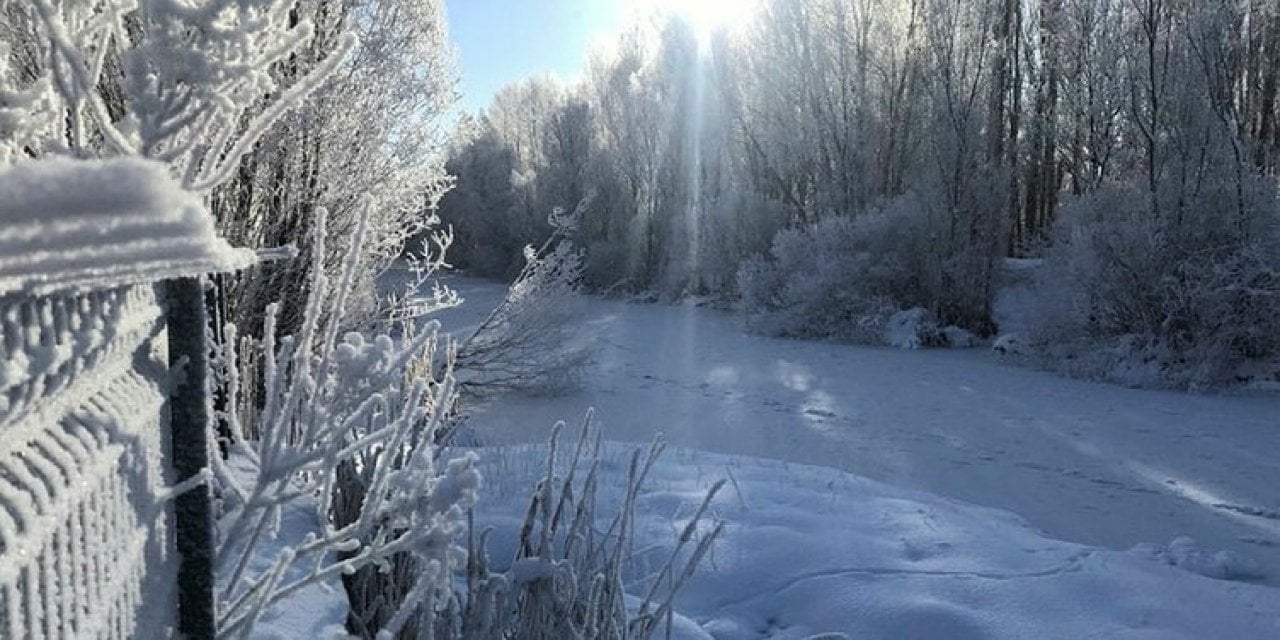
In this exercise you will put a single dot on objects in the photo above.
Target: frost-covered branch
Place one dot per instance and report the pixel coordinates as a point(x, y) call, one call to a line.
point(527, 341)
point(179, 82)
point(333, 404)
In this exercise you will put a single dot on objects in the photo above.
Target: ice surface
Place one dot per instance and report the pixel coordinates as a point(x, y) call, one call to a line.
point(1090, 463)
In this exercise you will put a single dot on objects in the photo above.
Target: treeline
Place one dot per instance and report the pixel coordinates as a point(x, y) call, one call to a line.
point(1132, 142)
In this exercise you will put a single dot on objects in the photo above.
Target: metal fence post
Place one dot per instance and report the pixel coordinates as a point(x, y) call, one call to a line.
point(189, 420)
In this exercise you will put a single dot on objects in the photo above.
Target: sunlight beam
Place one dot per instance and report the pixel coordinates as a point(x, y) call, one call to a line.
point(707, 16)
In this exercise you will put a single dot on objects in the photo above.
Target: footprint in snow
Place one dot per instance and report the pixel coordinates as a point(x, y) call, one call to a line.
point(821, 413)
point(1256, 512)
point(1261, 542)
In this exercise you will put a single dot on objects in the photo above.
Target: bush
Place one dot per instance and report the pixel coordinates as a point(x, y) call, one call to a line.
point(567, 577)
point(343, 426)
point(1182, 299)
point(845, 276)
point(530, 342)
point(353, 427)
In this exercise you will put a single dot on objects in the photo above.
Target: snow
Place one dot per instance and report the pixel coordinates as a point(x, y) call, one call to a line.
point(318, 611)
point(82, 224)
point(908, 329)
point(811, 550)
point(1092, 464)
point(1183, 552)
point(1011, 344)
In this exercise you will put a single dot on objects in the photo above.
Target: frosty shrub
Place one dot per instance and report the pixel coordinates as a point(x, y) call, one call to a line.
point(1188, 299)
point(565, 580)
point(529, 342)
point(337, 408)
point(733, 228)
point(845, 276)
point(811, 286)
point(566, 577)
point(354, 424)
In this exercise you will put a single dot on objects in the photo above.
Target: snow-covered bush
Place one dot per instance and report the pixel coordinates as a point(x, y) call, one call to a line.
point(912, 329)
point(530, 342)
point(566, 579)
point(918, 328)
point(818, 282)
point(1184, 299)
point(334, 403)
point(846, 276)
point(1010, 344)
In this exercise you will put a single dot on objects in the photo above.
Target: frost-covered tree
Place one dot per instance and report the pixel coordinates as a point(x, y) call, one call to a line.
point(372, 132)
point(183, 84)
point(503, 205)
point(990, 117)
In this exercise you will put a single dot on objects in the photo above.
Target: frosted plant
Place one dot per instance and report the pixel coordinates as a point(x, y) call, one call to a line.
point(179, 82)
point(526, 343)
point(354, 423)
point(566, 580)
point(336, 402)
point(1186, 303)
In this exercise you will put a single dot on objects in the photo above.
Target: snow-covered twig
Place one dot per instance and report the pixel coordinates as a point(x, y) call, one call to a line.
point(330, 403)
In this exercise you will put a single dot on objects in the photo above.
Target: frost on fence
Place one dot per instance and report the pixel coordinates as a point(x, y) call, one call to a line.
point(80, 463)
point(92, 223)
point(83, 384)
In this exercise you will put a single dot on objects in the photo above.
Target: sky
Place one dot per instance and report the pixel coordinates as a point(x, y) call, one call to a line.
point(503, 41)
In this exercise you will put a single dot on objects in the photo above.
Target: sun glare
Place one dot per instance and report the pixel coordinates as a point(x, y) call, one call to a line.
point(708, 16)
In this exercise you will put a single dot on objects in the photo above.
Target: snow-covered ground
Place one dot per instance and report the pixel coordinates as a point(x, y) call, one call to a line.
point(810, 550)
point(1088, 464)
point(315, 612)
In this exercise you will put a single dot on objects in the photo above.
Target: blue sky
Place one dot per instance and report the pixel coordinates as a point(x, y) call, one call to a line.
point(502, 41)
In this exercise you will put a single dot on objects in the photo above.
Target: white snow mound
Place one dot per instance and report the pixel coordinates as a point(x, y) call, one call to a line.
point(910, 329)
point(1010, 344)
point(1186, 554)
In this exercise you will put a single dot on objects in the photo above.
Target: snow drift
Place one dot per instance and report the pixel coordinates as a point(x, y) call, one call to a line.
point(810, 550)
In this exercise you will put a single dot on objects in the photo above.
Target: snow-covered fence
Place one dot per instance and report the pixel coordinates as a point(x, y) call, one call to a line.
point(82, 457)
point(86, 475)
